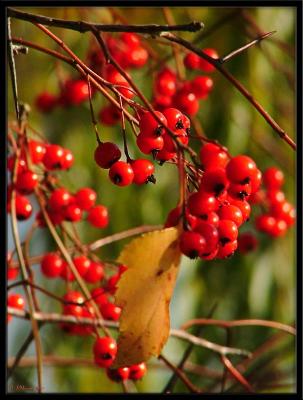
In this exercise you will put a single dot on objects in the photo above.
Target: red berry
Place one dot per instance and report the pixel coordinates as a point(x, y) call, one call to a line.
point(279, 228)
point(82, 264)
point(165, 84)
point(137, 57)
point(214, 181)
point(273, 178)
point(284, 210)
point(21, 164)
point(227, 250)
point(110, 311)
point(95, 272)
point(200, 204)
point(52, 265)
point(164, 155)
point(46, 102)
point(105, 350)
point(59, 199)
point(67, 273)
point(75, 309)
point(137, 371)
point(212, 155)
point(192, 61)
point(265, 223)
point(231, 213)
point(143, 171)
point(72, 213)
point(211, 218)
point(210, 234)
point(36, 151)
point(255, 181)
point(99, 296)
point(243, 205)
point(15, 301)
point(149, 126)
point(53, 157)
point(240, 169)
point(98, 216)
point(228, 231)
point(118, 375)
point(109, 115)
point(275, 196)
point(75, 92)
point(24, 208)
point(187, 102)
point(114, 77)
point(121, 173)
point(174, 118)
point(131, 39)
point(192, 244)
point(239, 191)
point(201, 86)
point(85, 198)
point(12, 273)
point(26, 182)
point(205, 65)
point(111, 286)
point(106, 154)
point(68, 159)
point(170, 145)
point(247, 242)
point(149, 144)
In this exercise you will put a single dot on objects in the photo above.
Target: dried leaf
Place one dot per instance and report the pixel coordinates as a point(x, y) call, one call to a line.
point(144, 293)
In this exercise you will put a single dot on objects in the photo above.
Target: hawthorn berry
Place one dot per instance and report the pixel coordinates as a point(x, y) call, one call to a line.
point(105, 350)
point(210, 233)
point(75, 92)
point(143, 171)
point(118, 375)
point(149, 126)
point(53, 157)
point(137, 371)
point(72, 213)
point(240, 169)
point(247, 242)
point(200, 203)
point(273, 178)
point(232, 213)
point(21, 164)
point(15, 301)
point(192, 244)
point(192, 61)
point(205, 65)
point(99, 296)
point(174, 118)
point(227, 250)
point(26, 182)
point(243, 205)
point(121, 173)
point(149, 144)
point(201, 86)
point(52, 265)
point(110, 311)
point(36, 151)
point(106, 154)
point(214, 181)
point(12, 273)
point(212, 155)
point(98, 216)
point(24, 208)
point(187, 102)
point(109, 115)
point(82, 263)
point(85, 198)
point(46, 102)
point(228, 231)
point(94, 273)
point(59, 199)
point(67, 160)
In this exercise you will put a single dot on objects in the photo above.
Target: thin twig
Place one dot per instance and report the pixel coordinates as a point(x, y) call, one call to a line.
point(83, 26)
point(240, 50)
point(216, 63)
point(236, 374)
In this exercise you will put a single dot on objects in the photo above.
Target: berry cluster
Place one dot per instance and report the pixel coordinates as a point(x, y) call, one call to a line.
point(280, 214)
point(219, 207)
point(168, 91)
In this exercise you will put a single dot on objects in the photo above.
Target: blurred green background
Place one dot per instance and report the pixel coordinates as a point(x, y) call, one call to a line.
point(257, 285)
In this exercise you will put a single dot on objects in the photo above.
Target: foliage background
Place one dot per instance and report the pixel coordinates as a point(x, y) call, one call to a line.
point(258, 285)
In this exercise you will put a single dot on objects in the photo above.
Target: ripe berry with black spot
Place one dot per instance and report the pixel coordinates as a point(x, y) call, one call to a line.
point(228, 231)
point(143, 171)
point(192, 244)
point(149, 144)
point(121, 173)
point(149, 126)
point(174, 118)
point(105, 350)
point(214, 181)
point(240, 169)
point(227, 250)
point(110, 311)
point(106, 154)
point(24, 208)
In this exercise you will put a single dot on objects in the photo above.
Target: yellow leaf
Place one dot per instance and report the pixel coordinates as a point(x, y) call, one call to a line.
point(144, 293)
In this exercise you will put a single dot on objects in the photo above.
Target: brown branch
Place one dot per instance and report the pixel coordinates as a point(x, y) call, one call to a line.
point(240, 50)
point(191, 387)
point(82, 26)
point(178, 333)
point(236, 374)
point(216, 63)
point(243, 322)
